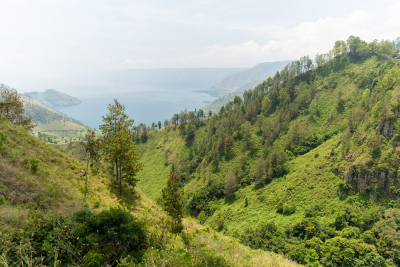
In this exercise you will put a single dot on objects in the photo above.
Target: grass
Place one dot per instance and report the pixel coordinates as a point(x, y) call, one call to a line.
point(75, 149)
point(58, 185)
point(196, 244)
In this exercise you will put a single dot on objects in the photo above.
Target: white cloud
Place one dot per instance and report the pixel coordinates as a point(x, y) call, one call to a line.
point(308, 38)
point(64, 38)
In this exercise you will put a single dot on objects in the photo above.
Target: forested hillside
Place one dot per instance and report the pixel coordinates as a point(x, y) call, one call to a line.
point(306, 164)
point(51, 98)
point(48, 124)
point(47, 218)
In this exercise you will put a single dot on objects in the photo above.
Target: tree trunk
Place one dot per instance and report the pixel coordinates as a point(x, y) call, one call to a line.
point(87, 166)
point(120, 181)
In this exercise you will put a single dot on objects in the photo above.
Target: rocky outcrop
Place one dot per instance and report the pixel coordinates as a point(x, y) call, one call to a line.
point(386, 129)
point(368, 181)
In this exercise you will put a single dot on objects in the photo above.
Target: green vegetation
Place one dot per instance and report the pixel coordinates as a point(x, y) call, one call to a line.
point(52, 126)
point(117, 146)
point(12, 108)
point(51, 98)
point(314, 153)
point(45, 220)
point(172, 196)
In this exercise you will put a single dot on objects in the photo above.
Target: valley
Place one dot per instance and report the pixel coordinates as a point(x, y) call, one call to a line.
point(302, 169)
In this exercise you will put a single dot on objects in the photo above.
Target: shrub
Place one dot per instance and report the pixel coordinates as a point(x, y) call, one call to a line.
point(202, 217)
point(96, 202)
point(82, 215)
point(288, 209)
point(279, 207)
point(220, 223)
point(93, 259)
point(2, 200)
point(115, 233)
point(30, 206)
point(34, 165)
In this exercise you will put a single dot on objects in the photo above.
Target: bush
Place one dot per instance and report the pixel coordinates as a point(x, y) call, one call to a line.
point(96, 240)
point(96, 202)
point(116, 233)
point(288, 209)
point(82, 215)
point(2, 200)
point(202, 217)
point(34, 165)
point(93, 259)
point(220, 223)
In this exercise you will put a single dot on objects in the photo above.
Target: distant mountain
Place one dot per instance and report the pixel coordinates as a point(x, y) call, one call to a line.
point(236, 83)
point(237, 80)
point(48, 119)
point(177, 77)
point(51, 98)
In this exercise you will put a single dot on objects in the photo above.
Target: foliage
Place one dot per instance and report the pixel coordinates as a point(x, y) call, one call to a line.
point(315, 148)
point(12, 107)
point(173, 203)
point(230, 185)
point(82, 237)
point(118, 146)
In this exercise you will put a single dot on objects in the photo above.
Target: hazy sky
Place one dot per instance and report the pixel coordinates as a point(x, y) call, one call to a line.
point(57, 39)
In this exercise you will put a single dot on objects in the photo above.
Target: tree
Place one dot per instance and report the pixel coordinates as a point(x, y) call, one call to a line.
point(260, 171)
point(12, 107)
point(230, 185)
point(92, 147)
point(229, 144)
point(159, 124)
point(118, 147)
point(266, 104)
point(237, 100)
point(173, 202)
point(354, 43)
point(166, 123)
point(200, 114)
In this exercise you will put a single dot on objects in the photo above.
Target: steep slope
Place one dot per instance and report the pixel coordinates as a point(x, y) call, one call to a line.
point(239, 79)
point(314, 156)
point(49, 120)
point(51, 98)
point(37, 175)
point(40, 190)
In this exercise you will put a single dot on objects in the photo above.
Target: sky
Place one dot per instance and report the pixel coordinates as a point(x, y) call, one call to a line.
point(60, 39)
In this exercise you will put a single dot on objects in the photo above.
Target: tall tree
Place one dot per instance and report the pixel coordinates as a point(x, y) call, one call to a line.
point(118, 146)
point(173, 202)
point(159, 124)
point(230, 185)
point(92, 147)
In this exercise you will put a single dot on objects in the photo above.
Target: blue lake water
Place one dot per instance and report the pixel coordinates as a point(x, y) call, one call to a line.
point(156, 104)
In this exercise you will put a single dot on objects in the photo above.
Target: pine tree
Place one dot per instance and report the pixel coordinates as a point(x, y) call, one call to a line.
point(173, 202)
point(118, 146)
point(92, 147)
point(230, 185)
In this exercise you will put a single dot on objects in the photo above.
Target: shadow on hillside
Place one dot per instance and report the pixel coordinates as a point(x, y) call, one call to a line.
point(230, 199)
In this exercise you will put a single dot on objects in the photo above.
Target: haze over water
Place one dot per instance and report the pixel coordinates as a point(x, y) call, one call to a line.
point(147, 106)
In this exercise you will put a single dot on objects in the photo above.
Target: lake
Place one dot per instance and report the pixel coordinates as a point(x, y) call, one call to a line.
point(147, 106)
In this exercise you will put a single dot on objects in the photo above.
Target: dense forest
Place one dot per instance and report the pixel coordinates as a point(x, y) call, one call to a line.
point(326, 128)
